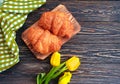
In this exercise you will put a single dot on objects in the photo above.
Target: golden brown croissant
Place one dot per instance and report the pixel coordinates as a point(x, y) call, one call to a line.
point(58, 23)
point(33, 34)
point(47, 42)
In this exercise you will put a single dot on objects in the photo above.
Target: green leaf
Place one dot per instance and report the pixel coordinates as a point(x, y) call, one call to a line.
point(40, 78)
point(42, 75)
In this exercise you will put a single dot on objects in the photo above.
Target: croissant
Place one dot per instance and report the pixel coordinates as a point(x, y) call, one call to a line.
point(33, 34)
point(47, 43)
point(58, 23)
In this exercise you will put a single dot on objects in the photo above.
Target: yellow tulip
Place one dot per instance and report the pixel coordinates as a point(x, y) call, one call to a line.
point(55, 59)
point(73, 63)
point(65, 79)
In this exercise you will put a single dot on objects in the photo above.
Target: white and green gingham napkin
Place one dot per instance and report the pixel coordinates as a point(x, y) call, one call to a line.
point(13, 14)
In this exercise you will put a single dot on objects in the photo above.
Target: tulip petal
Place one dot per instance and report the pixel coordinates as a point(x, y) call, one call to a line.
point(55, 59)
point(73, 63)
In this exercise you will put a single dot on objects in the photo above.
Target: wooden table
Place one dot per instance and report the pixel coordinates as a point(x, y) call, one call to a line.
point(97, 45)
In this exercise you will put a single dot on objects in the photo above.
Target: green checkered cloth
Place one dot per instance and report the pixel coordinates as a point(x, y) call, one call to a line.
point(13, 14)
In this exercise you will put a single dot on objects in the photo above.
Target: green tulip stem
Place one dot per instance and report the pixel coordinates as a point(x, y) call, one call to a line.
point(61, 66)
point(38, 78)
point(58, 73)
point(51, 73)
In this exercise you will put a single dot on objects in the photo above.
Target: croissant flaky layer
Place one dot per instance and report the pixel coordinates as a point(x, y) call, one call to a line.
point(50, 31)
point(58, 23)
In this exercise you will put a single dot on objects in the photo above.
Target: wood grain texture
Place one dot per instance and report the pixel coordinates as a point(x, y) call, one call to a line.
point(97, 45)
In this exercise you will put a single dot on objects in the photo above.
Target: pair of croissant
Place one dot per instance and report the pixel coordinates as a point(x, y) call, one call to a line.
point(48, 36)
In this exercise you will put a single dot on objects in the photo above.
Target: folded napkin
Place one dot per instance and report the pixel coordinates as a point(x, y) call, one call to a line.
point(13, 14)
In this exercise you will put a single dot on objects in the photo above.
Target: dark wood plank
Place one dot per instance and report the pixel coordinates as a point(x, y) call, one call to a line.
point(99, 51)
point(90, 10)
point(83, 11)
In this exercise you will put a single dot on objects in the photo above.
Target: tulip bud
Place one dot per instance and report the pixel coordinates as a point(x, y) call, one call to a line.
point(55, 59)
point(73, 63)
point(65, 79)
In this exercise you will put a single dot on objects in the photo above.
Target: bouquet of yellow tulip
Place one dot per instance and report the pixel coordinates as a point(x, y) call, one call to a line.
point(71, 64)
